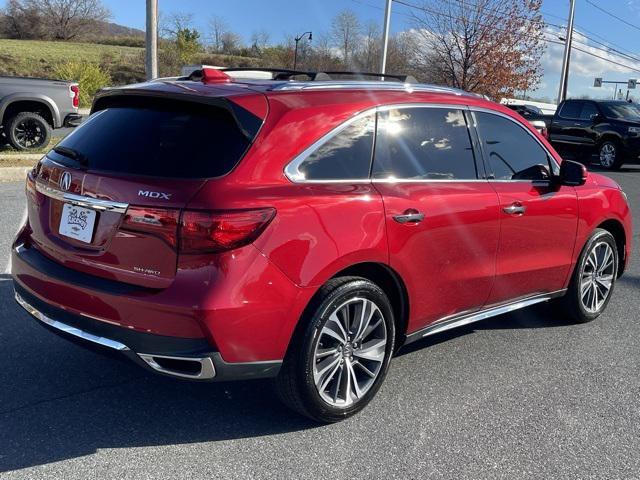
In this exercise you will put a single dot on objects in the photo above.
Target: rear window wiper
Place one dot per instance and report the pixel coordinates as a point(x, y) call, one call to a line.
point(71, 153)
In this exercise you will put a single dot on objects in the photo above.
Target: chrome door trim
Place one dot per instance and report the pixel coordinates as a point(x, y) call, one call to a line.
point(63, 327)
point(81, 200)
point(460, 320)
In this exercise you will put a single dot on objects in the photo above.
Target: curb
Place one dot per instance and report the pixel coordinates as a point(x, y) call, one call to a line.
point(20, 156)
point(13, 174)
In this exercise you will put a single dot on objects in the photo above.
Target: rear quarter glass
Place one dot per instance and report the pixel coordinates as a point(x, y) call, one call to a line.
point(162, 138)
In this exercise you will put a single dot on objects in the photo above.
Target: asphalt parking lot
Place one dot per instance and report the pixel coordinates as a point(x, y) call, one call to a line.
point(525, 395)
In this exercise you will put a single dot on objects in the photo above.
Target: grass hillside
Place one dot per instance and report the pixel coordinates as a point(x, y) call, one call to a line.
point(35, 58)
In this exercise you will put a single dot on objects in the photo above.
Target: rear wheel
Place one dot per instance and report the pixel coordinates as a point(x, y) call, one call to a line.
point(594, 278)
point(610, 155)
point(28, 131)
point(340, 358)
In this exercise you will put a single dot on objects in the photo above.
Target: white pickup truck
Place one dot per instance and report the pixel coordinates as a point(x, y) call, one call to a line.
point(30, 108)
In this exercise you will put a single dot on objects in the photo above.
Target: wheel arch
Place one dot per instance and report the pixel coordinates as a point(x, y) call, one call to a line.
point(39, 104)
point(615, 228)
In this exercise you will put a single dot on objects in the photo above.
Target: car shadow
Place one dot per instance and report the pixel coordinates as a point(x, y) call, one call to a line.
point(59, 401)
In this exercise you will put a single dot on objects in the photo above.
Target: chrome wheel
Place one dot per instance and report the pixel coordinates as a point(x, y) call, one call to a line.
point(608, 154)
point(350, 352)
point(598, 275)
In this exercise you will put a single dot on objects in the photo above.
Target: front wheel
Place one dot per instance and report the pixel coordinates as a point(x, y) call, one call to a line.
point(341, 354)
point(594, 278)
point(610, 155)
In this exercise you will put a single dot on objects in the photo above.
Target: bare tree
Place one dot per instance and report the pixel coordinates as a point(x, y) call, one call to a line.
point(58, 19)
point(218, 28)
point(345, 31)
point(231, 43)
point(370, 45)
point(171, 25)
point(260, 40)
point(491, 47)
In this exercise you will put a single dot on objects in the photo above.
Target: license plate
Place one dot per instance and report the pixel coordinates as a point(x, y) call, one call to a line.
point(77, 222)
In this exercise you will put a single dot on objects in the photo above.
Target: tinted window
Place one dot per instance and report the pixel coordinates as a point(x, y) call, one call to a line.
point(588, 111)
point(512, 152)
point(621, 110)
point(162, 139)
point(571, 109)
point(346, 156)
point(423, 143)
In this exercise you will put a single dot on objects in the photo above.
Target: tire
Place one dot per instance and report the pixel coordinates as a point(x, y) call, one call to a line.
point(610, 155)
point(578, 305)
point(336, 397)
point(28, 131)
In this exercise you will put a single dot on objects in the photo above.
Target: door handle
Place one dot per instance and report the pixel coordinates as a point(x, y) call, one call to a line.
point(409, 216)
point(516, 208)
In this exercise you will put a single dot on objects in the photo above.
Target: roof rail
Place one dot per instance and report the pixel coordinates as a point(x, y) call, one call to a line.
point(373, 85)
point(285, 74)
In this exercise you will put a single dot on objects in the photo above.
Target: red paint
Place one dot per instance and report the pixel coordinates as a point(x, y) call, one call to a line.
point(247, 299)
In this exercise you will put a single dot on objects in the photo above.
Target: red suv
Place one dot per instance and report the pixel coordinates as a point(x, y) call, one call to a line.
point(213, 228)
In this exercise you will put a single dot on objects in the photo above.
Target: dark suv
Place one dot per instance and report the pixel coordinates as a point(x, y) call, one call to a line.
point(609, 128)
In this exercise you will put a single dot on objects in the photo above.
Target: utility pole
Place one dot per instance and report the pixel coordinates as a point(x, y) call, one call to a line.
point(564, 77)
point(385, 36)
point(152, 40)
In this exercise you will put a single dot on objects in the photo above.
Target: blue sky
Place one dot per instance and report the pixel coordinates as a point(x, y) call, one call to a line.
point(286, 17)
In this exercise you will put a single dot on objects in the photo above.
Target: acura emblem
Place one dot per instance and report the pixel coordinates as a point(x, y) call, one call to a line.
point(65, 181)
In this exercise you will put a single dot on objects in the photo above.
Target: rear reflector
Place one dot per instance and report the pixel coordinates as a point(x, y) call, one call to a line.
point(215, 231)
point(159, 222)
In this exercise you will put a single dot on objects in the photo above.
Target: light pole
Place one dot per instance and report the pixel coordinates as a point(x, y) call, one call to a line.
point(385, 36)
point(295, 52)
point(151, 63)
point(564, 77)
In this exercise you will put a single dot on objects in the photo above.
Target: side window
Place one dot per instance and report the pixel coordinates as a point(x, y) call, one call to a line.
point(513, 154)
point(346, 156)
point(588, 111)
point(571, 110)
point(423, 143)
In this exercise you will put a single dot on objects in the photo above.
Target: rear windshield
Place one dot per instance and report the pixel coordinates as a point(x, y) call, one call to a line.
point(157, 138)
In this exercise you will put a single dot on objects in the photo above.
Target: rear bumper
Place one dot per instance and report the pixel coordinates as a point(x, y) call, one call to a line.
point(72, 120)
point(176, 357)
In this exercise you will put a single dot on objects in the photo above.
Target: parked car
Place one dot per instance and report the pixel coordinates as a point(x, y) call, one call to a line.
point(31, 107)
point(535, 116)
point(218, 229)
point(608, 128)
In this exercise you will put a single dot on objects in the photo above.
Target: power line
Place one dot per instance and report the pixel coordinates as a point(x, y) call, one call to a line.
point(612, 15)
point(608, 48)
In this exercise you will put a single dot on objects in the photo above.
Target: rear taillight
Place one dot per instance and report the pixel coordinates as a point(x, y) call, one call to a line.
point(159, 222)
point(216, 231)
point(74, 92)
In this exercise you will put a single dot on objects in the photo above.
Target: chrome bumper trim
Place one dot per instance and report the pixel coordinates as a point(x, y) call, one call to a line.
point(207, 370)
point(81, 200)
point(63, 327)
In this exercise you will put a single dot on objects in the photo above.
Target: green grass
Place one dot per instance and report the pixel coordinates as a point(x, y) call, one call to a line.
point(39, 58)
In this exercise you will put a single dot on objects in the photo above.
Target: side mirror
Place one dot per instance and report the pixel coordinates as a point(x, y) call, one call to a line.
point(597, 118)
point(535, 173)
point(572, 173)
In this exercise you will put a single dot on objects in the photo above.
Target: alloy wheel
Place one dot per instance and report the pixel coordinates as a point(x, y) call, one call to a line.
point(598, 274)
point(350, 352)
point(29, 133)
point(608, 155)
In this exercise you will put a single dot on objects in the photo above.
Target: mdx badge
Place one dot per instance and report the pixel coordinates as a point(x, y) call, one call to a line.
point(148, 194)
